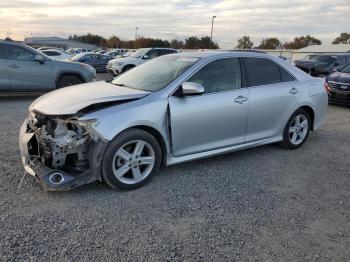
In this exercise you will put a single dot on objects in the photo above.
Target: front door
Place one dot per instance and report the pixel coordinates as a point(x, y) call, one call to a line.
point(215, 119)
point(25, 73)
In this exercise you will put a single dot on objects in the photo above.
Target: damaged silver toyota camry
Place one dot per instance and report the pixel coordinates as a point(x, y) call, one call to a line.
point(172, 109)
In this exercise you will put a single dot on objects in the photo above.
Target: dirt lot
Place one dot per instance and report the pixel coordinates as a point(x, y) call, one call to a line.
point(263, 204)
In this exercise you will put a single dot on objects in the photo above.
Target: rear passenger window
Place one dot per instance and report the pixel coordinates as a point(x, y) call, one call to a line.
point(286, 77)
point(261, 71)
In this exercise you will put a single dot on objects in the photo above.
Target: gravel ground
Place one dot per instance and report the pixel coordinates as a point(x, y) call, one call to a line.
point(262, 204)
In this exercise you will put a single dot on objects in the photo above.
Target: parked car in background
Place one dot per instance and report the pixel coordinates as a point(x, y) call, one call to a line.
point(75, 51)
point(101, 52)
point(98, 61)
point(24, 69)
point(56, 54)
point(47, 48)
point(338, 86)
point(321, 65)
point(123, 64)
point(116, 53)
point(172, 109)
point(129, 52)
point(302, 61)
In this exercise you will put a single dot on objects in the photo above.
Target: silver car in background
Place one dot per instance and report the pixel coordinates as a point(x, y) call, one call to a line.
point(169, 110)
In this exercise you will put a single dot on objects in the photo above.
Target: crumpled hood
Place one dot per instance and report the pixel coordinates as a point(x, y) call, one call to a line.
point(69, 100)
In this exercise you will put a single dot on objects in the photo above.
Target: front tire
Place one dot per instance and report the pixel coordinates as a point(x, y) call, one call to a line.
point(131, 160)
point(68, 81)
point(296, 130)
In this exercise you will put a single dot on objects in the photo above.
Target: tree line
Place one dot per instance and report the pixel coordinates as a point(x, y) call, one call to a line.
point(299, 42)
point(192, 42)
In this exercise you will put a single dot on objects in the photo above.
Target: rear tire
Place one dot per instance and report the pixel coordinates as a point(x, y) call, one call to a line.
point(296, 130)
point(68, 81)
point(131, 160)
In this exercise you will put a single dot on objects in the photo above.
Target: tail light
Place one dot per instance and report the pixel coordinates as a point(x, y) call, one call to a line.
point(327, 86)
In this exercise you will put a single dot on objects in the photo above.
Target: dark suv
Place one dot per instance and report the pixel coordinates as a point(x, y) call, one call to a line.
point(321, 65)
point(24, 69)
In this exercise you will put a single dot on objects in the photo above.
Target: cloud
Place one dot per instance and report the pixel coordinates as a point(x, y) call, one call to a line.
point(178, 18)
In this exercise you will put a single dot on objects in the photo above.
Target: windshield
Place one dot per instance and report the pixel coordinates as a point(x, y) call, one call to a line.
point(346, 69)
point(323, 59)
point(308, 57)
point(155, 74)
point(140, 52)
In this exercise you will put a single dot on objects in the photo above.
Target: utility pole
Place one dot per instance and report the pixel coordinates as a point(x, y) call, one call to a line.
point(136, 28)
point(211, 32)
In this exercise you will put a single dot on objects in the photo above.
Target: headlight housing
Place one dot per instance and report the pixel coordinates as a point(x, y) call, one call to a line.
point(89, 125)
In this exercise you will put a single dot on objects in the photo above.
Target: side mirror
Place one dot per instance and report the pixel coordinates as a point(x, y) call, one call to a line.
point(336, 69)
point(82, 60)
point(39, 59)
point(192, 88)
point(145, 57)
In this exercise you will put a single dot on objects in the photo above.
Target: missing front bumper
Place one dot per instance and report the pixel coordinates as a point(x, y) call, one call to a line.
point(55, 179)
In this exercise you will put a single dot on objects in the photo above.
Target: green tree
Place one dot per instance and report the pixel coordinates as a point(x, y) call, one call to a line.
point(177, 44)
point(113, 42)
point(302, 41)
point(194, 42)
point(270, 43)
point(244, 43)
point(344, 38)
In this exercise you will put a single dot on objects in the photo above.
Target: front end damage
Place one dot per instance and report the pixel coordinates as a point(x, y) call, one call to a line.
point(61, 151)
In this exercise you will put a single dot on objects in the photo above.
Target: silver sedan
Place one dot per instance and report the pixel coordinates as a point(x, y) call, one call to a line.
point(169, 110)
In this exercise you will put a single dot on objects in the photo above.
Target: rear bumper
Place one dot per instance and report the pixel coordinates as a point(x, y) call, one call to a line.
point(56, 179)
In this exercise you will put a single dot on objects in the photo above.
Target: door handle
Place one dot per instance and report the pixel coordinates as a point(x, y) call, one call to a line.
point(294, 91)
point(14, 66)
point(240, 99)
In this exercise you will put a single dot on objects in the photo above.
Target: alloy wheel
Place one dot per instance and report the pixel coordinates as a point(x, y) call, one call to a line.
point(133, 162)
point(298, 129)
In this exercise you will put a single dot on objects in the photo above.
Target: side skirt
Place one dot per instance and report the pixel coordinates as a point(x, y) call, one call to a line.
point(171, 160)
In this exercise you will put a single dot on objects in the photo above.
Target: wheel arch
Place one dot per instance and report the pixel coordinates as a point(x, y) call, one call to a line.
point(63, 74)
point(128, 65)
point(311, 113)
point(156, 134)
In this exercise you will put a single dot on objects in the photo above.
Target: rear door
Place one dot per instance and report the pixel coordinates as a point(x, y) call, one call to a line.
point(25, 73)
point(274, 94)
point(215, 119)
point(4, 74)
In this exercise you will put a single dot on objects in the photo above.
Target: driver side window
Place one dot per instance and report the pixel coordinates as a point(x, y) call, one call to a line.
point(220, 75)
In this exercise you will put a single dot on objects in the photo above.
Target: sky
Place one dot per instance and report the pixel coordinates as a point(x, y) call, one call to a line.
point(169, 19)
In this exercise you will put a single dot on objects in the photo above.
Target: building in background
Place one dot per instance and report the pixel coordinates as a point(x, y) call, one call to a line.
point(57, 42)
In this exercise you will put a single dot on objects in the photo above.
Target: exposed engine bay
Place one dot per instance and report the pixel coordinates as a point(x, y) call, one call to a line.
point(60, 143)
